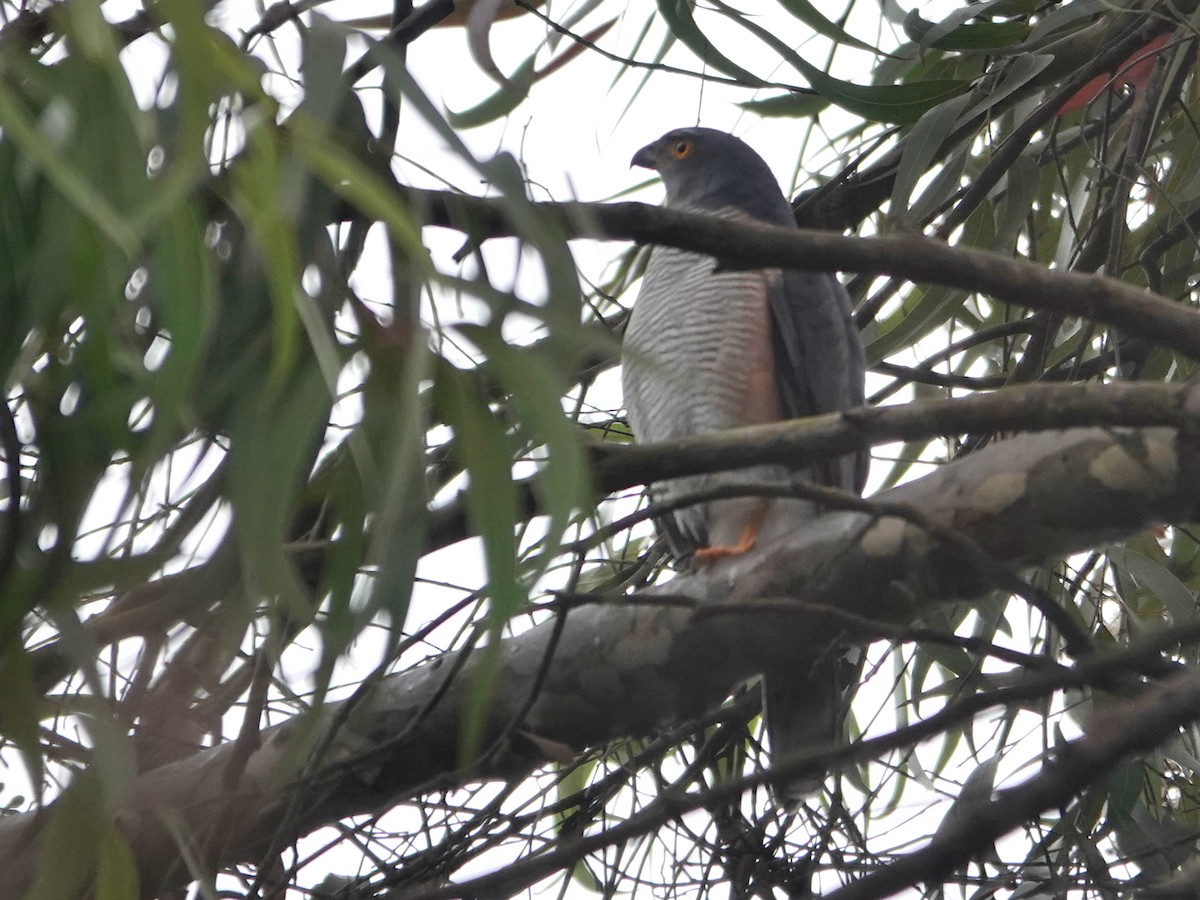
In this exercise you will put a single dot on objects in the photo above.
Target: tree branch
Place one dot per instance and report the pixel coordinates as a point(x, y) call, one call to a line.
point(1139, 725)
point(913, 257)
point(796, 443)
point(526, 872)
point(800, 442)
point(1023, 500)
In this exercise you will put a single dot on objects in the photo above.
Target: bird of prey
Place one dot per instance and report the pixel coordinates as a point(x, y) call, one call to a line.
point(708, 349)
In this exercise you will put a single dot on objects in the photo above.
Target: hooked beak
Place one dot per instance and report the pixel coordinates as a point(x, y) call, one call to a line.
point(647, 157)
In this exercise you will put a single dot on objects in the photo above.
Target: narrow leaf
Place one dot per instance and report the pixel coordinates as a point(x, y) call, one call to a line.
point(679, 18)
point(922, 146)
point(787, 106)
point(814, 19)
point(898, 103)
point(499, 104)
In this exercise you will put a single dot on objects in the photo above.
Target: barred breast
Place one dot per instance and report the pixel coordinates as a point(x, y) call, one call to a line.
point(697, 354)
point(698, 358)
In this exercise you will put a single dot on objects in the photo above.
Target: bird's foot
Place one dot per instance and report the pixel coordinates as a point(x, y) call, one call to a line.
point(745, 544)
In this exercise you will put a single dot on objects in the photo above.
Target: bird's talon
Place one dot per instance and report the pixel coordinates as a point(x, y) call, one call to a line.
point(745, 544)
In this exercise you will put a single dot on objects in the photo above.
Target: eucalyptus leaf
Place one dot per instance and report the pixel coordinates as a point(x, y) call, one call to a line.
point(1156, 578)
point(898, 103)
point(786, 106)
point(504, 101)
point(679, 17)
point(818, 22)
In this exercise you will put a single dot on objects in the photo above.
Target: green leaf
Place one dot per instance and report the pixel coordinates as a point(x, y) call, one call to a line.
point(1013, 8)
point(947, 181)
point(72, 841)
point(953, 659)
point(975, 794)
point(1019, 73)
point(678, 15)
point(787, 106)
point(200, 69)
point(537, 390)
point(359, 184)
point(569, 785)
point(1069, 17)
point(814, 19)
point(1151, 837)
point(74, 184)
point(117, 875)
point(394, 423)
point(499, 104)
point(921, 311)
point(581, 874)
point(952, 742)
point(1020, 188)
point(341, 623)
point(273, 440)
point(482, 444)
point(922, 146)
point(952, 33)
point(261, 185)
point(897, 103)
point(323, 48)
point(983, 37)
point(1156, 578)
point(183, 294)
point(21, 705)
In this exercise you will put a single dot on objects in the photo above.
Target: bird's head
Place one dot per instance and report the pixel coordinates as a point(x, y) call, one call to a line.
point(710, 170)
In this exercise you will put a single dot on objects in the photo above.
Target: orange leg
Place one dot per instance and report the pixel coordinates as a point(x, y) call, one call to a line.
point(745, 544)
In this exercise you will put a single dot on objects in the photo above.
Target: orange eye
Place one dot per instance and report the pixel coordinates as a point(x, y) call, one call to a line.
point(681, 149)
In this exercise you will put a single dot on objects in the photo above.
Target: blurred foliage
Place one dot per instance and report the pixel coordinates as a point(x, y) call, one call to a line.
point(244, 403)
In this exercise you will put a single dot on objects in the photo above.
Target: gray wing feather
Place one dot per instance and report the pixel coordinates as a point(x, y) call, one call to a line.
point(819, 359)
point(820, 367)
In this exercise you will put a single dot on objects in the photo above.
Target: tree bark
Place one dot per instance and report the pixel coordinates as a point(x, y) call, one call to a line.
point(620, 667)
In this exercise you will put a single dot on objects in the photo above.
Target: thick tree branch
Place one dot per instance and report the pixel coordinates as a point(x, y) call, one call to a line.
point(1023, 500)
point(796, 443)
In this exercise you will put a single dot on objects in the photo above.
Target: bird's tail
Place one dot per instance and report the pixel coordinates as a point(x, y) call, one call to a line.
point(805, 705)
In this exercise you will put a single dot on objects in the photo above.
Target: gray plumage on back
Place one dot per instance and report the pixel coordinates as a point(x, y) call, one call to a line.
point(707, 350)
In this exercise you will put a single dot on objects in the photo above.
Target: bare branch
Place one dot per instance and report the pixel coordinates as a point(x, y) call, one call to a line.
point(801, 442)
point(1139, 725)
point(910, 256)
